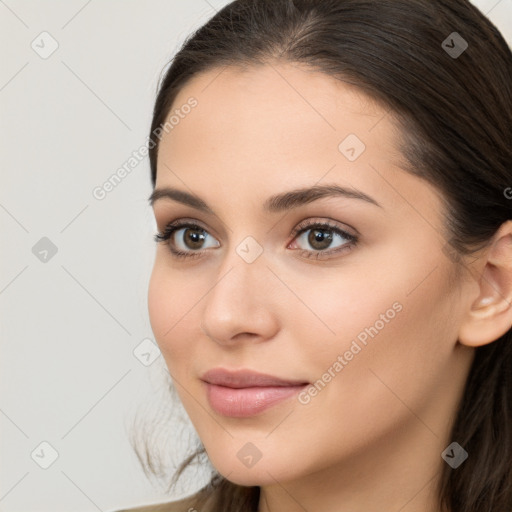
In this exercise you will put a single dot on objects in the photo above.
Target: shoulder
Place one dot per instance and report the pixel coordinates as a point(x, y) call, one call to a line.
point(183, 505)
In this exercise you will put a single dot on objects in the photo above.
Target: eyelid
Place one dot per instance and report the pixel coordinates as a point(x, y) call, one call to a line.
point(325, 224)
point(352, 240)
point(183, 222)
point(326, 221)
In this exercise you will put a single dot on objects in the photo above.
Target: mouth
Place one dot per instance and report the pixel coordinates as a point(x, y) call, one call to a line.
point(245, 393)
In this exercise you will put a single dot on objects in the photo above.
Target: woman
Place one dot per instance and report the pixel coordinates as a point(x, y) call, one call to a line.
point(332, 287)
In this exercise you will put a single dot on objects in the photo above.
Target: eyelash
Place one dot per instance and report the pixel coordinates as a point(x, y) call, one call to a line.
point(172, 227)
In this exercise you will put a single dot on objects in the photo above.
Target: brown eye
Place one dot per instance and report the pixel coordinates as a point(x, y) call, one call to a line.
point(192, 238)
point(321, 237)
point(185, 239)
point(319, 240)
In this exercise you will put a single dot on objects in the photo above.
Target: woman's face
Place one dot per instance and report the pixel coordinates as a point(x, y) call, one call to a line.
point(357, 319)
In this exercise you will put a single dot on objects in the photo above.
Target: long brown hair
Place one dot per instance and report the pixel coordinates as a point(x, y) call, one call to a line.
point(455, 114)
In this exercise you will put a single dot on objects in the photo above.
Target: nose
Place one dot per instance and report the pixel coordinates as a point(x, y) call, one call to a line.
point(239, 307)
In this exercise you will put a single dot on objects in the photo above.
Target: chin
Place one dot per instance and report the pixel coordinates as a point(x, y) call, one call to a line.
point(263, 472)
point(249, 477)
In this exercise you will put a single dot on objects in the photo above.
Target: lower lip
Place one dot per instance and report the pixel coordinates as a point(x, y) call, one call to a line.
point(245, 402)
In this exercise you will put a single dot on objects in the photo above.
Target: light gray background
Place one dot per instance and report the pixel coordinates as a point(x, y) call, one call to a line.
point(69, 326)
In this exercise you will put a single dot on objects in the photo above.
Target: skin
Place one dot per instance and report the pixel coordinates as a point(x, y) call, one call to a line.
point(371, 439)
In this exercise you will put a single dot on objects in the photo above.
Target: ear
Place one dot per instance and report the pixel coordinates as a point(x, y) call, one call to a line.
point(490, 314)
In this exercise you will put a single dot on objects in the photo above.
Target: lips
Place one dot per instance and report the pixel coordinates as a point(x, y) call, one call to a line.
point(245, 393)
point(246, 379)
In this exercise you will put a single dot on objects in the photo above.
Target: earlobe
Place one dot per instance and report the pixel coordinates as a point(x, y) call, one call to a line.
point(490, 315)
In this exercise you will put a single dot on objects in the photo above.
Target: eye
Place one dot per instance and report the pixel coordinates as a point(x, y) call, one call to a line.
point(186, 239)
point(189, 243)
point(324, 238)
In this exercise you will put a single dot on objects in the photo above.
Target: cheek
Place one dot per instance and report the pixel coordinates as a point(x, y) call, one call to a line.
point(376, 323)
point(159, 299)
point(340, 310)
point(174, 302)
point(402, 361)
point(166, 301)
point(393, 298)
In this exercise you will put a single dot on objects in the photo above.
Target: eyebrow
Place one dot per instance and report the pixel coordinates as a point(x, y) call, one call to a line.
point(274, 204)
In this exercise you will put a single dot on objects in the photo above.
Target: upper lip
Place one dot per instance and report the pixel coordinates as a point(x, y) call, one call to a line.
point(246, 379)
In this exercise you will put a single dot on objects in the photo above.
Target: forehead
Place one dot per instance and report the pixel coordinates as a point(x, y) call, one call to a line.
point(280, 126)
point(283, 101)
